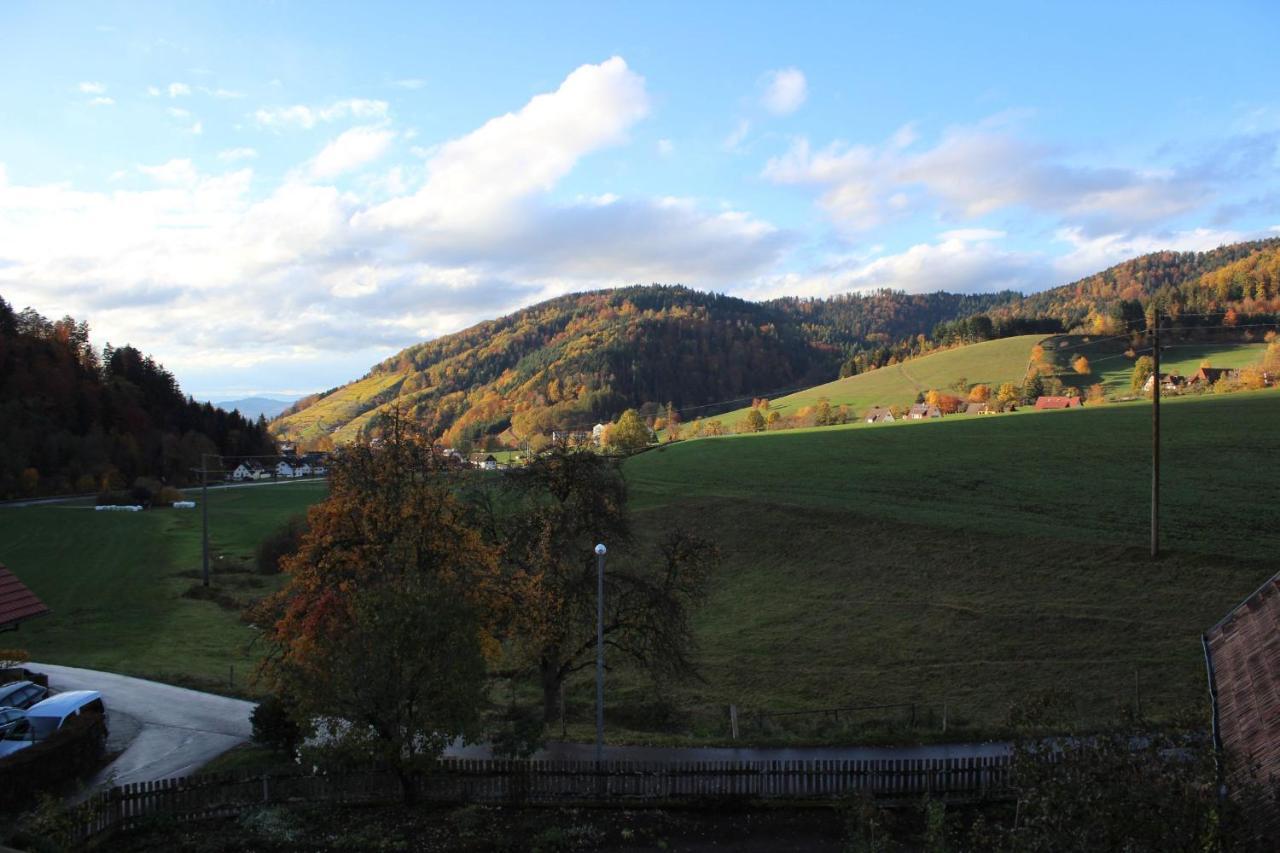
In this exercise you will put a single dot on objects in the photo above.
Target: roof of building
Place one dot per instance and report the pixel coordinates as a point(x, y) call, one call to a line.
point(1243, 655)
point(1212, 374)
point(1058, 402)
point(975, 408)
point(17, 603)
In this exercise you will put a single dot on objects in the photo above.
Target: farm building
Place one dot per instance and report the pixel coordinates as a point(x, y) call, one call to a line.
point(1059, 402)
point(1209, 375)
point(17, 603)
point(1170, 382)
point(920, 411)
point(977, 409)
point(250, 469)
point(878, 415)
point(1242, 653)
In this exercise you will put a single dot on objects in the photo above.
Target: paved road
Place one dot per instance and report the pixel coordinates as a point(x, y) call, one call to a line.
point(164, 731)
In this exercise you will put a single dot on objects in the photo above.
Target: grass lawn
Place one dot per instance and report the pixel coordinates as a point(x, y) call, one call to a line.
point(119, 584)
point(974, 562)
point(990, 362)
point(1114, 370)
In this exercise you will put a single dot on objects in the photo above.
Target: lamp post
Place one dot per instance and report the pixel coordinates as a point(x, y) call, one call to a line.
point(600, 552)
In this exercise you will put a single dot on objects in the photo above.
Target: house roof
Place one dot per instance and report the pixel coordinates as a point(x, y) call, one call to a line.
point(1057, 402)
point(17, 603)
point(1212, 374)
point(975, 408)
point(1242, 653)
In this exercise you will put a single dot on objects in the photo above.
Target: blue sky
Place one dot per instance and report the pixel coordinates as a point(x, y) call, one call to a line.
point(272, 197)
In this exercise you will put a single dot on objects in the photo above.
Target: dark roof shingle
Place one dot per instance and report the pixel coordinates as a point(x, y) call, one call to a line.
point(17, 603)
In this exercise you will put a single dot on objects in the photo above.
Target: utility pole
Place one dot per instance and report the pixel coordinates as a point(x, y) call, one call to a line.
point(1155, 430)
point(600, 552)
point(204, 516)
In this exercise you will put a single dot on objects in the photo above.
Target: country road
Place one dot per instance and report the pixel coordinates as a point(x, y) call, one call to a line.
point(162, 730)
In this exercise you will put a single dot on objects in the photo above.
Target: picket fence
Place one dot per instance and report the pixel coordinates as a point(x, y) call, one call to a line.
point(498, 781)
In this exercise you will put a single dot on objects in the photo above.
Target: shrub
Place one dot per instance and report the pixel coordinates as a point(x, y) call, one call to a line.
point(274, 727)
point(167, 495)
point(281, 542)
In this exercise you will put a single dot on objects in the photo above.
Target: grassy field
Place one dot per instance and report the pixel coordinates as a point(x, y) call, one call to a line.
point(120, 584)
point(1114, 370)
point(973, 562)
point(990, 362)
point(341, 407)
point(969, 562)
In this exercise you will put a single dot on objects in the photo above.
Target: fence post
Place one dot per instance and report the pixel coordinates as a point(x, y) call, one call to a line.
point(733, 721)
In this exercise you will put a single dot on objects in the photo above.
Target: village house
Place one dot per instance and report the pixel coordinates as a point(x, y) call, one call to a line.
point(878, 415)
point(597, 433)
point(921, 411)
point(250, 469)
point(484, 461)
point(1171, 382)
point(1059, 402)
point(977, 409)
point(1205, 377)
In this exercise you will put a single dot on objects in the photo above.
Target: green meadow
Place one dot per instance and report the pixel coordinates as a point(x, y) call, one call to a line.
point(122, 586)
point(972, 564)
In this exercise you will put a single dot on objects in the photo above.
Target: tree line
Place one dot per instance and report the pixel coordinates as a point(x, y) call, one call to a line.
point(76, 419)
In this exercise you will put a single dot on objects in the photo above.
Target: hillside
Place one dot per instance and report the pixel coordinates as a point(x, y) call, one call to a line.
point(988, 363)
point(76, 420)
point(574, 360)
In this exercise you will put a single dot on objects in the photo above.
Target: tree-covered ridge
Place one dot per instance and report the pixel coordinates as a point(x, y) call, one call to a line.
point(578, 359)
point(74, 419)
point(1185, 282)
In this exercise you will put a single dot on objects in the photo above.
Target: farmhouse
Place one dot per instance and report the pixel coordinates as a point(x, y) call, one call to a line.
point(17, 603)
point(1170, 382)
point(1206, 376)
point(1242, 653)
point(921, 411)
point(1059, 402)
point(977, 409)
point(878, 415)
point(484, 461)
point(250, 469)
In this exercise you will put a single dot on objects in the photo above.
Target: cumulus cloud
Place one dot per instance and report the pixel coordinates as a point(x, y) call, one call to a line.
point(973, 171)
point(93, 88)
point(231, 155)
point(356, 147)
point(785, 90)
point(305, 117)
point(234, 269)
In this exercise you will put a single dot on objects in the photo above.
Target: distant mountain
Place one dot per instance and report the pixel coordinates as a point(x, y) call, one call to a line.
point(578, 359)
point(254, 407)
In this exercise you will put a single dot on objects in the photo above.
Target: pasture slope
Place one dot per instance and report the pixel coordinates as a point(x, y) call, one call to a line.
point(989, 363)
point(120, 585)
point(977, 562)
point(1113, 369)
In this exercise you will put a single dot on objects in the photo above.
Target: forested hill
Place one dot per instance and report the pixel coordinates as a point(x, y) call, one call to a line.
point(1243, 276)
point(75, 420)
point(577, 359)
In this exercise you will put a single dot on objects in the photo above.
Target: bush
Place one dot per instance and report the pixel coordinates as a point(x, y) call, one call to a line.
point(167, 496)
point(274, 727)
point(281, 542)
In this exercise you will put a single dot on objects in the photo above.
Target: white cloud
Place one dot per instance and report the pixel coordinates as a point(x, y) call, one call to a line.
point(102, 102)
point(232, 155)
point(306, 117)
point(409, 83)
point(476, 178)
point(735, 138)
point(784, 91)
point(356, 147)
point(179, 90)
point(93, 88)
point(216, 271)
point(977, 170)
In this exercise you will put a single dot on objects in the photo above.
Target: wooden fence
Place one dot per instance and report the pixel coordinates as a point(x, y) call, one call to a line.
point(554, 782)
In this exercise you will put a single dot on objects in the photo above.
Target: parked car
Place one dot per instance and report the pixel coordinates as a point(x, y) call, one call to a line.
point(10, 717)
point(45, 718)
point(21, 694)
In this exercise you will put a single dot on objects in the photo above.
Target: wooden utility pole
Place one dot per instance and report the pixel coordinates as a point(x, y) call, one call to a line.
point(1155, 430)
point(204, 515)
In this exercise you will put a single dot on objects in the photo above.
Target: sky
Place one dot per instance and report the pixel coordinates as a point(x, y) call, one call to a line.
point(272, 197)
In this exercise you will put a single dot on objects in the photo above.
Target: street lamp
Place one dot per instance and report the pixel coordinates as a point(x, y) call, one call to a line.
point(600, 552)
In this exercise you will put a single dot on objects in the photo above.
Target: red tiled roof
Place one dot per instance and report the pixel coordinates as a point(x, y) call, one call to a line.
point(1057, 402)
point(17, 603)
point(1243, 652)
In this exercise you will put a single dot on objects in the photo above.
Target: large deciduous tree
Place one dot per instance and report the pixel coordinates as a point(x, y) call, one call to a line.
point(561, 506)
point(381, 631)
